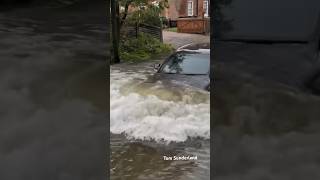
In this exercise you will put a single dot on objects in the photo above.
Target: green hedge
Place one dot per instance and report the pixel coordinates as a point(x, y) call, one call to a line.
point(142, 48)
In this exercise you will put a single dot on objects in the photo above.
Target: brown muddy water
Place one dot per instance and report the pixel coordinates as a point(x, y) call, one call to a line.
point(150, 121)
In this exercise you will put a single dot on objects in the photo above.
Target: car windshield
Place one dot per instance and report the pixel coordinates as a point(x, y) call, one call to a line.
point(190, 63)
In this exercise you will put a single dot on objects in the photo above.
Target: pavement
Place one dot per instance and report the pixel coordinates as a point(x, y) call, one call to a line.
point(180, 39)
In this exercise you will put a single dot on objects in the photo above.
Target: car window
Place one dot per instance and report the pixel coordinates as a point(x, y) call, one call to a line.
point(286, 20)
point(187, 63)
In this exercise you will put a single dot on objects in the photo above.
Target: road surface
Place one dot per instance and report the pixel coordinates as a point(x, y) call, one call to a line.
point(180, 39)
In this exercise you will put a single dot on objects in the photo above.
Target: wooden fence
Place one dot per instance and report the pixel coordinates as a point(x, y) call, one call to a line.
point(154, 31)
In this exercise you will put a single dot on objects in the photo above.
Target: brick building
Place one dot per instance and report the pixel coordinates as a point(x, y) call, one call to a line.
point(192, 16)
point(187, 8)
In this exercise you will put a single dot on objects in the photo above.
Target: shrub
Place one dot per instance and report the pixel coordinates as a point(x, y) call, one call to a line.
point(142, 48)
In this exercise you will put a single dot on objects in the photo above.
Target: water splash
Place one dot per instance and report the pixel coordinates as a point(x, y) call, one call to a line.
point(152, 112)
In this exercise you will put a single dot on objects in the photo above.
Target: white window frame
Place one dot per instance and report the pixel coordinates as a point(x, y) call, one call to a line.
point(190, 8)
point(206, 8)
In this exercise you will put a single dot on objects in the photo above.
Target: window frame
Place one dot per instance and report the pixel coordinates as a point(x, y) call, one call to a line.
point(206, 8)
point(190, 3)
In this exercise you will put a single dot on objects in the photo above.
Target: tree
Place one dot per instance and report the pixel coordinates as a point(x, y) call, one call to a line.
point(159, 6)
point(117, 22)
point(125, 4)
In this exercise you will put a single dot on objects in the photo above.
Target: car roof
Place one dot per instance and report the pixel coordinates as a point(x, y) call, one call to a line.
point(203, 48)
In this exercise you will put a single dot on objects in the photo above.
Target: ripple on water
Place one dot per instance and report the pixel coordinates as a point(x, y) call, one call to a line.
point(149, 121)
point(152, 111)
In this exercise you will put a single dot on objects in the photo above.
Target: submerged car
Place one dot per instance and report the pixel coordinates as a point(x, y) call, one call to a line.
point(189, 65)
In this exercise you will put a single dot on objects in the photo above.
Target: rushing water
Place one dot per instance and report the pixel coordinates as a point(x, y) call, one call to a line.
point(57, 80)
point(52, 94)
point(149, 121)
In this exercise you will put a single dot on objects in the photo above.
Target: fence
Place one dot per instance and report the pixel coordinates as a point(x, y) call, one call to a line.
point(154, 31)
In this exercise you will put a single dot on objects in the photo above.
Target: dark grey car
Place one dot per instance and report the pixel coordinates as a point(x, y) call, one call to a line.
point(189, 65)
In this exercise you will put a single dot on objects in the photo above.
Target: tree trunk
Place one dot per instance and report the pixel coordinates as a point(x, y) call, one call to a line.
point(125, 14)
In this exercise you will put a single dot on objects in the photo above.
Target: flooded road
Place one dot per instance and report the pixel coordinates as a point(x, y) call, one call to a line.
point(53, 107)
point(149, 121)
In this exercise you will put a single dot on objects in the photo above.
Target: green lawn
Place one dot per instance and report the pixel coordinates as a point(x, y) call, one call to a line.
point(171, 29)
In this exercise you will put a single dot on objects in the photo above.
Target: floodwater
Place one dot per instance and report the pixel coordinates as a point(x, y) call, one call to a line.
point(149, 121)
point(53, 104)
point(53, 96)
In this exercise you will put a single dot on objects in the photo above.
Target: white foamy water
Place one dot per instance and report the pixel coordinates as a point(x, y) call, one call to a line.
point(156, 115)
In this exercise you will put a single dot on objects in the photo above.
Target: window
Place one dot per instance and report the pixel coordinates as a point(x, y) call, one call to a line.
point(187, 63)
point(190, 7)
point(206, 8)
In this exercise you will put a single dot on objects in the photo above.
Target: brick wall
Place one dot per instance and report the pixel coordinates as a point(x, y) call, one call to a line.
point(198, 10)
point(172, 11)
point(183, 11)
point(179, 8)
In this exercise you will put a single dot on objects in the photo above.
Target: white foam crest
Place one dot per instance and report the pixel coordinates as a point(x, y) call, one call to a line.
point(151, 118)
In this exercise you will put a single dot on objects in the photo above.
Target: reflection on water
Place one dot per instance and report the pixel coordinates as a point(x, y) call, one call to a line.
point(150, 120)
point(138, 160)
